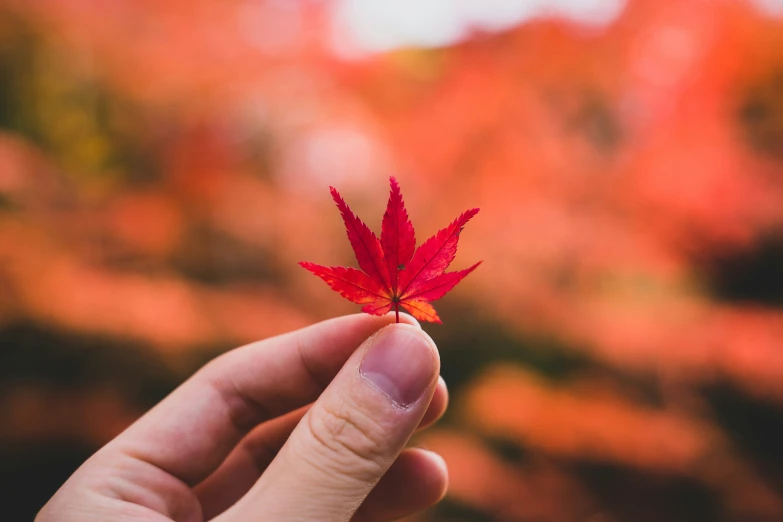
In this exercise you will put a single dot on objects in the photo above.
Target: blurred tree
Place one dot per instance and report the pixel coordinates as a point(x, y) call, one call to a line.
point(618, 357)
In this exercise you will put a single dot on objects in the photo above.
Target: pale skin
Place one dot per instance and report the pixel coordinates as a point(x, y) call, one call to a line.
point(310, 425)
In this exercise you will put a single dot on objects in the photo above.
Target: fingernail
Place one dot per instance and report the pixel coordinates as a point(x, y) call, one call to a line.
point(400, 363)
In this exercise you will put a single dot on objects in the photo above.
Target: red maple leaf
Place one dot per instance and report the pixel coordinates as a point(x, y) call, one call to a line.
point(393, 271)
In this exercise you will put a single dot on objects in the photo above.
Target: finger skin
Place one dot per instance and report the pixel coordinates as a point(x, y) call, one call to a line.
point(417, 480)
point(192, 431)
point(152, 466)
point(438, 405)
point(245, 464)
point(350, 436)
point(253, 454)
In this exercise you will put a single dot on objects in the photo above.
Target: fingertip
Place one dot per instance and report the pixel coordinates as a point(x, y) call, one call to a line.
point(401, 361)
point(405, 318)
point(431, 470)
point(358, 427)
point(438, 404)
point(417, 480)
point(438, 472)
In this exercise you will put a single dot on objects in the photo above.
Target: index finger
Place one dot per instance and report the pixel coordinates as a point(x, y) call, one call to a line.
point(190, 432)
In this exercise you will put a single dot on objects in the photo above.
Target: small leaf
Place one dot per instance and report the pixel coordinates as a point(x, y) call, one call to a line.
point(393, 271)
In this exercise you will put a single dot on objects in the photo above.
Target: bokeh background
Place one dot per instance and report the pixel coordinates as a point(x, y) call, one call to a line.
point(617, 357)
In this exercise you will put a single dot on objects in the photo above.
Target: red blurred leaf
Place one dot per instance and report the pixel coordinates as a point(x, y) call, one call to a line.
point(393, 272)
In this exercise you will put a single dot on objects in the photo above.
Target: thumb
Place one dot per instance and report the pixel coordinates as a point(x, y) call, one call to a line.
point(351, 435)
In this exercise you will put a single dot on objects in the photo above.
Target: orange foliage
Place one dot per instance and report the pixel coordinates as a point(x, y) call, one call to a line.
point(477, 477)
point(163, 167)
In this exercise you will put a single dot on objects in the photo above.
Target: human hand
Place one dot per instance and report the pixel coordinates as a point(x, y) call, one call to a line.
point(237, 441)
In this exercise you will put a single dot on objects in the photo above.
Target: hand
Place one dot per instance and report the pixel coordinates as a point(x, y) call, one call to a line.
point(238, 441)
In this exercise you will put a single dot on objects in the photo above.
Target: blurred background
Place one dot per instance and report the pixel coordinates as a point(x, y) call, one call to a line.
point(617, 357)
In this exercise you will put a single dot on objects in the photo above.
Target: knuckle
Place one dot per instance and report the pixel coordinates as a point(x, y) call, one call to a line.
point(354, 442)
